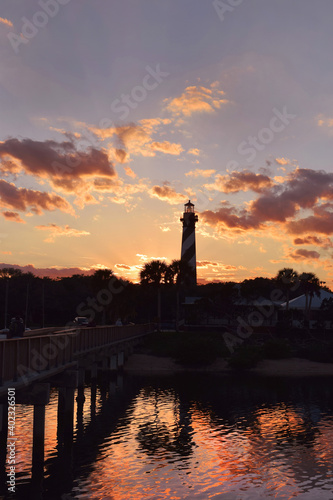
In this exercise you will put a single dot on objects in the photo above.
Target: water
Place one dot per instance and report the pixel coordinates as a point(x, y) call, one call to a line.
point(187, 437)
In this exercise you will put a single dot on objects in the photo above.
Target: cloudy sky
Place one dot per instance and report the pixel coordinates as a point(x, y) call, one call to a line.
point(113, 114)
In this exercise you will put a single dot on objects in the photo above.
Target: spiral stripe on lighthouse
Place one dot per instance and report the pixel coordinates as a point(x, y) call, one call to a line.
point(188, 246)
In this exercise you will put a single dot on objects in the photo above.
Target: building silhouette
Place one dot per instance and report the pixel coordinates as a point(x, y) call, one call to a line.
point(188, 252)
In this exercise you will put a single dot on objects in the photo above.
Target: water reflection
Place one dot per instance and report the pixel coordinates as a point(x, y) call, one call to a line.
point(166, 429)
point(190, 437)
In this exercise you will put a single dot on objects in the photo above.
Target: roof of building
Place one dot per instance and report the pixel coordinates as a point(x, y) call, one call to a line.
point(259, 301)
point(300, 302)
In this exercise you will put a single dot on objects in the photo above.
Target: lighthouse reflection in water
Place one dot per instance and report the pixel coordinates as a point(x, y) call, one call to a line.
point(187, 437)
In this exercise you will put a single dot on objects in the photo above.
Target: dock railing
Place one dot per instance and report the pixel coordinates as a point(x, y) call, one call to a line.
point(30, 358)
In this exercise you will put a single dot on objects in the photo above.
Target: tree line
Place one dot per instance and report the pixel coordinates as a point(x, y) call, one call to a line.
point(159, 294)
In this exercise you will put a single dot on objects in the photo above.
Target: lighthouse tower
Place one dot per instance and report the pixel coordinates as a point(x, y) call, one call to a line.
point(188, 240)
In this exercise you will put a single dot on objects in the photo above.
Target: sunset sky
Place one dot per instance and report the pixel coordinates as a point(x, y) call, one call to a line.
point(114, 114)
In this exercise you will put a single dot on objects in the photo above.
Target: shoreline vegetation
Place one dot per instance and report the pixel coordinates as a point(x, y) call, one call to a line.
point(172, 352)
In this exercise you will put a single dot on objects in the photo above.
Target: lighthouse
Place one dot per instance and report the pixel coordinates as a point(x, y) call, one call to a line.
point(188, 240)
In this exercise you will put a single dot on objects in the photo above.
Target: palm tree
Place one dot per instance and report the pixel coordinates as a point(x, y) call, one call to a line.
point(154, 273)
point(311, 286)
point(287, 280)
point(182, 272)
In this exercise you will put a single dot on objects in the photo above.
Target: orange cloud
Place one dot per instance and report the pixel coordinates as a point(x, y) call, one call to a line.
point(14, 216)
point(150, 125)
point(119, 155)
point(200, 173)
point(241, 181)
point(130, 172)
point(6, 22)
point(194, 151)
point(205, 264)
point(167, 147)
point(122, 266)
point(167, 193)
point(196, 99)
point(323, 121)
point(282, 161)
point(56, 231)
point(136, 140)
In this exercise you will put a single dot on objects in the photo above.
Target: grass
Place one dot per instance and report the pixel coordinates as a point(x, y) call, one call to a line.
point(188, 348)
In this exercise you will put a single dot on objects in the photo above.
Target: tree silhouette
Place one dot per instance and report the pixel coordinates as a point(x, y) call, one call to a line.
point(287, 279)
point(154, 273)
point(310, 285)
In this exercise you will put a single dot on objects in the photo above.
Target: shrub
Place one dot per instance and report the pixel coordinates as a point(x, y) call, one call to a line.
point(246, 356)
point(276, 349)
point(317, 351)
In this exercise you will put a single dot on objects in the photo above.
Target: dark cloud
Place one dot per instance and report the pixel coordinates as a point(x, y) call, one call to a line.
point(123, 266)
point(23, 199)
point(102, 184)
point(303, 254)
point(321, 222)
point(242, 181)
point(314, 240)
point(302, 189)
point(61, 162)
point(228, 216)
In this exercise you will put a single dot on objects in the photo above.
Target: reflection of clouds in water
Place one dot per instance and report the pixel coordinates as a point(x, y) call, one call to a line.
point(205, 437)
